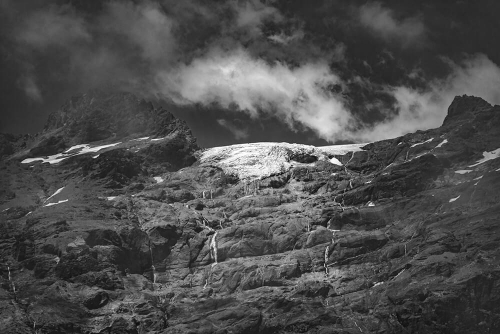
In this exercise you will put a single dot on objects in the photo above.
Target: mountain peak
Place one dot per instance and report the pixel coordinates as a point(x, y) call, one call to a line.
point(98, 115)
point(465, 105)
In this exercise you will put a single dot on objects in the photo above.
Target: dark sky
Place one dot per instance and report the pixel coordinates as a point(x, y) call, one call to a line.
point(315, 72)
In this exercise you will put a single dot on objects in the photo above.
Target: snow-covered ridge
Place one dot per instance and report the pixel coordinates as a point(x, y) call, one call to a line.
point(258, 160)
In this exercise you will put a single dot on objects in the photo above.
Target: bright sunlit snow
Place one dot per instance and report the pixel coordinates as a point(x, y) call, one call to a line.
point(335, 161)
point(259, 160)
point(62, 201)
point(454, 199)
point(442, 143)
point(487, 156)
point(463, 171)
point(72, 151)
point(427, 141)
point(56, 192)
point(75, 148)
point(158, 139)
point(158, 179)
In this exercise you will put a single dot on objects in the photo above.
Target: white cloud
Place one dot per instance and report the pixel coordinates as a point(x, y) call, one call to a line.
point(299, 95)
point(410, 32)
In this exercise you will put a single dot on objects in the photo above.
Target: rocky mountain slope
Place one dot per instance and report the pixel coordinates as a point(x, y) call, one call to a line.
point(113, 221)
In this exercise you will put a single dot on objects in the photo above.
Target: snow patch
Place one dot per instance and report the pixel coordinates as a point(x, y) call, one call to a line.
point(89, 149)
point(335, 161)
point(62, 201)
point(110, 198)
point(454, 199)
point(427, 141)
point(487, 156)
point(377, 284)
point(142, 138)
point(442, 143)
point(75, 148)
point(371, 204)
point(478, 179)
point(463, 171)
point(52, 159)
point(158, 139)
point(259, 160)
point(54, 194)
point(72, 151)
point(158, 179)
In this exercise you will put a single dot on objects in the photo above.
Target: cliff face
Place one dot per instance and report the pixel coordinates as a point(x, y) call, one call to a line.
point(126, 235)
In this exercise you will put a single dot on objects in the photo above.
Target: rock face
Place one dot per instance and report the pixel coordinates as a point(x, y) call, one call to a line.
point(129, 233)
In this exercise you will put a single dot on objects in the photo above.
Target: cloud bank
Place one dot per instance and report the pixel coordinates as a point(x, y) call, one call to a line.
point(224, 54)
point(297, 96)
point(302, 95)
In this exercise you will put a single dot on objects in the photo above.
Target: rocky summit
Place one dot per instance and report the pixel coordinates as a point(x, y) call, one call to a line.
point(113, 220)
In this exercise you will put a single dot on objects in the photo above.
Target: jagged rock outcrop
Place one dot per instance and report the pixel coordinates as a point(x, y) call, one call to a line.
point(127, 235)
point(98, 117)
point(465, 107)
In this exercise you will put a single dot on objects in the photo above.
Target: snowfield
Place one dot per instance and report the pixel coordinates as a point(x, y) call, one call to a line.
point(259, 160)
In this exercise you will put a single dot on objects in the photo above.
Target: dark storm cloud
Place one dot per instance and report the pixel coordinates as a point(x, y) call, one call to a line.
point(345, 78)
